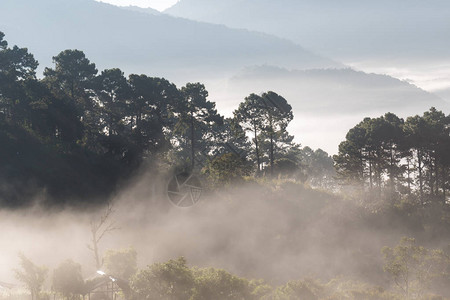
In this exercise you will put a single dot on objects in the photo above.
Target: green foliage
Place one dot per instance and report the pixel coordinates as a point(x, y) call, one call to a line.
point(227, 168)
point(277, 114)
point(32, 276)
point(76, 134)
point(389, 157)
point(218, 284)
point(285, 167)
point(198, 116)
point(266, 117)
point(260, 289)
point(172, 280)
point(73, 75)
point(249, 116)
point(150, 102)
point(302, 289)
point(121, 263)
point(68, 281)
point(414, 268)
point(318, 167)
point(354, 290)
point(3, 43)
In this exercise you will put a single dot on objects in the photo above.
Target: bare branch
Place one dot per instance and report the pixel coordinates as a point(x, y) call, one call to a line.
point(99, 229)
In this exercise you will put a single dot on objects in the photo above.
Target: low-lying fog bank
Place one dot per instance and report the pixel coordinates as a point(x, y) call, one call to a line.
point(277, 231)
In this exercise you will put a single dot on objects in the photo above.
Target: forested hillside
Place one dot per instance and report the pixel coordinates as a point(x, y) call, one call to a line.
point(92, 159)
point(76, 133)
point(103, 125)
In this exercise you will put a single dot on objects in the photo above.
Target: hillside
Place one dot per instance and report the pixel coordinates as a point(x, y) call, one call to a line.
point(327, 102)
point(347, 91)
point(148, 10)
point(142, 43)
point(339, 29)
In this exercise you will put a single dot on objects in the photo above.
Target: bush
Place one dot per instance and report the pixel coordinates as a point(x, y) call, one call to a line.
point(172, 280)
point(219, 285)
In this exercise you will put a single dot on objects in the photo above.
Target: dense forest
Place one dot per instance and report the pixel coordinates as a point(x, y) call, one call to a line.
point(76, 136)
point(398, 159)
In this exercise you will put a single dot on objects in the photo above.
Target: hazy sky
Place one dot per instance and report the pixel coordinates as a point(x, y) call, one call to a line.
point(156, 4)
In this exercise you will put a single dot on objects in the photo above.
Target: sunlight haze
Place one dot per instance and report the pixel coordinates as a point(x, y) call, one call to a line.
point(224, 149)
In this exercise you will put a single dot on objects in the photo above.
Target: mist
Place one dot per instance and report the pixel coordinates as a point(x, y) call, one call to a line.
point(320, 134)
point(326, 103)
point(280, 233)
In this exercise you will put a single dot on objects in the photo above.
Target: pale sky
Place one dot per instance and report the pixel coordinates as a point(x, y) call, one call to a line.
point(156, 4)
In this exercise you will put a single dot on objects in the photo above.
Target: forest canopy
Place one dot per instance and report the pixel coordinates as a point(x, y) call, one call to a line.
point(75, 133)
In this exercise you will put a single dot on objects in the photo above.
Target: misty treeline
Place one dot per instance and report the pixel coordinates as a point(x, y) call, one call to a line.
point(414, 272)
point(395, 159)
point(76, 133)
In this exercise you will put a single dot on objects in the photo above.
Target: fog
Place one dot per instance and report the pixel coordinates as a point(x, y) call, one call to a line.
point(326, 103)
point(432, 76)
point(277, 230)
point(288, 233)
point(327, 98)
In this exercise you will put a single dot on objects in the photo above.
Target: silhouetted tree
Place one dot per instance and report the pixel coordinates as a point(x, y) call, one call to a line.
point(121, 263)
point(172, 280)
point(31, 275)
point(199, 116)
point(151, 103)
point(99, 228)
point(68, 280)
point(386, 152)
point(72, 81)
point(277, 116)
point(17, 67)
point(249, 115)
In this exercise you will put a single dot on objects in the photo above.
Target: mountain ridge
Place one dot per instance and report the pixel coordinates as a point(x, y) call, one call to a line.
point(143, 43)
point(345, 28)
point(147, 10)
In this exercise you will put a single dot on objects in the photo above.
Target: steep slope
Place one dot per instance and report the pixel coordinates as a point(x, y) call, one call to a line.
point(340, 29)
point(137, 42)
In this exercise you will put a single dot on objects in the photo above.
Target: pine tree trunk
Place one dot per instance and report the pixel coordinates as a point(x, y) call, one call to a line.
point(409, 175)
point(192, 142)
point(257, 149)
point(443, 181)
point(370, 173)
point(419, 160)
point(271, 155)
point(436, 173)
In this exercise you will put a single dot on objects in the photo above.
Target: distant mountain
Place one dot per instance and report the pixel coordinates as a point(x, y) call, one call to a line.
point(339, 29)
point(445, 94)
point(328, 102)
point(143, 43)
point(148, 10)
point(337, 91)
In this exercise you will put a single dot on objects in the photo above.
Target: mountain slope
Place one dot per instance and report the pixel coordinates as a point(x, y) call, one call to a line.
point(327, 103)
point(142, 43)
point(339, 29)
point(338, 91)
point(148, 10)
